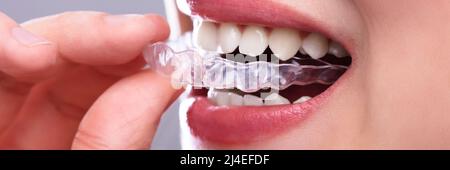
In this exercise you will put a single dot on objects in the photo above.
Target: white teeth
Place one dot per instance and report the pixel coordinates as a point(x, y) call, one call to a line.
point(285, 43)
point(302, 51)
point(250, 100)
point(337, 50)
point(275, 99)
point(235, 99)
point(206, 36)
point(302, 99)
point(222, 99)
point(219, 97)
point(316, 45)
point(254, 41)
point(229, 37)
point(212, 95)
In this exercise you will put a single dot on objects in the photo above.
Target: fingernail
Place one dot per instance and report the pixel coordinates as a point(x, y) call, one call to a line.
point(27, 38)
point(117, 20)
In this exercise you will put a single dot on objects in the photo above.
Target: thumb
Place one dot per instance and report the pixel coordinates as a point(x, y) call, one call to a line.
point(126, 116)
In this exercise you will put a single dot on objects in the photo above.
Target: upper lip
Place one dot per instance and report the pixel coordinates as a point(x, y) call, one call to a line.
point(235, 125)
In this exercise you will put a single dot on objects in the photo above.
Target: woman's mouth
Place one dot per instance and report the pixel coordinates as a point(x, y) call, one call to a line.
point(230, 116)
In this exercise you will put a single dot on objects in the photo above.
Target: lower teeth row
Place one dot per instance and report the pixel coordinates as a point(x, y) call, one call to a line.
point(223, 98)
point(189, 67)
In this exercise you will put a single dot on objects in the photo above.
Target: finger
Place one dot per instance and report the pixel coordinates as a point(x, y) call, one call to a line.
point(126, 116)
point(99, 39)
point(23, 54)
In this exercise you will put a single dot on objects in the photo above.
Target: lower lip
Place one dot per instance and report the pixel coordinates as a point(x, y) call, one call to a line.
point(233, 125)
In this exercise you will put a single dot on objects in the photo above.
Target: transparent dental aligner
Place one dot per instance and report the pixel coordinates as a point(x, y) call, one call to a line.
point(201, 69)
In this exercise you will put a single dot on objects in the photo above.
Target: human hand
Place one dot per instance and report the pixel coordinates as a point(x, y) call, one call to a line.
point(75, 80)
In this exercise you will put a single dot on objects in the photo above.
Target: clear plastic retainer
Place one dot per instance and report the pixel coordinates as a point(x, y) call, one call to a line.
point(209, 70)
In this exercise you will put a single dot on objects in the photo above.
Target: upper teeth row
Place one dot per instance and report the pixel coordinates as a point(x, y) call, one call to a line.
point(253, 41)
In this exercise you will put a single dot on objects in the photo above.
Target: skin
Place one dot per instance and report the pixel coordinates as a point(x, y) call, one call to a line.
point(397, 95)
point(81, 86)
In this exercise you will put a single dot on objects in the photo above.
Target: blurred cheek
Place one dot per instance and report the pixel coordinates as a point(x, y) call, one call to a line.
point(406, 62)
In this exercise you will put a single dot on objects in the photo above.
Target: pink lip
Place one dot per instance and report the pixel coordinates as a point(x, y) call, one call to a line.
point(231, 125)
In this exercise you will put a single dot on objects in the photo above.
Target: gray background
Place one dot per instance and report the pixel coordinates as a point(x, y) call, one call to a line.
point(167, 136)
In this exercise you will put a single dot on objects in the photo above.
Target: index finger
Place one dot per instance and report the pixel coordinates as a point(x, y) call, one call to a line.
point(99, 39)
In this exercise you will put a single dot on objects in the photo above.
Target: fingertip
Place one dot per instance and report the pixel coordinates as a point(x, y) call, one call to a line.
point(99, 39)
point(159, 26)
point(129, 34)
